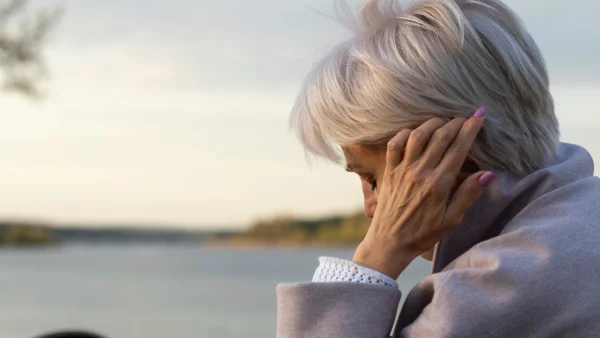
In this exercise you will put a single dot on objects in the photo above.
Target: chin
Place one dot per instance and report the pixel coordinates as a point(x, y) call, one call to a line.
point(427, 255)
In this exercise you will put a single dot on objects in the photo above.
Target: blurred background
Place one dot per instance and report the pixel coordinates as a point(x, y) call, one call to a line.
point(149, 184)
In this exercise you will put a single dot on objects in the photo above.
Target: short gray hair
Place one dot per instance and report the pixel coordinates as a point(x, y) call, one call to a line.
point(409, 62)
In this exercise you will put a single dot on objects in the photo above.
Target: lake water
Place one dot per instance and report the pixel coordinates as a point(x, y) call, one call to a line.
point(153, 291)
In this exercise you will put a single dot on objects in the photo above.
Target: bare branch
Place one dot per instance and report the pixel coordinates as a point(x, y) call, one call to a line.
point(21, 59)
point(11, 8)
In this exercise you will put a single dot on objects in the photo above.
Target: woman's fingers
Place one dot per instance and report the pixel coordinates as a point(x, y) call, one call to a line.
point(430, 141)
point(439, 142)
point(395, 149)
point(461, 146)
point(420, 137)
point(466, 194)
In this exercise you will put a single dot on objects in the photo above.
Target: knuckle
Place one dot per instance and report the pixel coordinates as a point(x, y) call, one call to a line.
point(397, 141)
point(461, 148)
point(439, 177)
point(417, 135)
point(392, 145)
point(436, 189)
point(443, 135)
point(414, 176)
point(447, 178)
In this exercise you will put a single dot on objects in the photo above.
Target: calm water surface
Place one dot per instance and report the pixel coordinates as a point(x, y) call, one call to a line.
point(153, 291)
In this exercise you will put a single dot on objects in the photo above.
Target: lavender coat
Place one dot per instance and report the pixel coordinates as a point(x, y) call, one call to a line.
point(525, 262)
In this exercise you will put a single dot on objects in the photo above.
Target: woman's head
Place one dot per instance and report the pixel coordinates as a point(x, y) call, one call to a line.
point(409, 62)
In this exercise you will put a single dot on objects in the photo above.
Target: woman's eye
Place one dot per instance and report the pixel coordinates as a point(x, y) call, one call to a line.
point(373, 184)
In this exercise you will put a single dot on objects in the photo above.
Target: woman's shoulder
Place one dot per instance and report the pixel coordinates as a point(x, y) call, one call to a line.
point(543, 268)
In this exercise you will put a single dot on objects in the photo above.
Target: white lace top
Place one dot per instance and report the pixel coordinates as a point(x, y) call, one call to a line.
point(340, 270)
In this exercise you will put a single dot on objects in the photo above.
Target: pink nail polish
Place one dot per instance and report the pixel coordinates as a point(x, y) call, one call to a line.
point(486, 179)
point(480, 112)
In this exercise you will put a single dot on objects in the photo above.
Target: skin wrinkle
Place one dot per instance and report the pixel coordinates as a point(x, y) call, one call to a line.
point(368, 161)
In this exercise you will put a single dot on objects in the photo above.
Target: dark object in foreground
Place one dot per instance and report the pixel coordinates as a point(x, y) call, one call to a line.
point(71, 334)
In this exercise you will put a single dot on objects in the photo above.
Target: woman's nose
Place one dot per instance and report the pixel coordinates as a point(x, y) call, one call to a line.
point(370, 209)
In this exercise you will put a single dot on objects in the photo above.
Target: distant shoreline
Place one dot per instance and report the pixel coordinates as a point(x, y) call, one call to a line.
point(344, 231)
point(267, 245)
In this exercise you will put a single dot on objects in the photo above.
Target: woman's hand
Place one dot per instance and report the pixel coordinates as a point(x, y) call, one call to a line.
point(416, 207)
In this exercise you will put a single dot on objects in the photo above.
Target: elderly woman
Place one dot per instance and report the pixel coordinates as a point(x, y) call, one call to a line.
point(442, 108)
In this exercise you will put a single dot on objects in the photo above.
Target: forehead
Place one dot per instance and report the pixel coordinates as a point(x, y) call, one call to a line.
point(353, 152)
point(358, 157)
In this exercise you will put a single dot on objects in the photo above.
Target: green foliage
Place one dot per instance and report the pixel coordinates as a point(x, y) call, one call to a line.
point(24, 234)
point(338, 230)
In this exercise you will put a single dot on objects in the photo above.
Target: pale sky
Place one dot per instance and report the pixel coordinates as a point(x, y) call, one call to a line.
point(175, 112)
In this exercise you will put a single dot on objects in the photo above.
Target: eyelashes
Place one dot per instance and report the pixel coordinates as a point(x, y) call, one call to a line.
point(373, 183)
point(369, 179)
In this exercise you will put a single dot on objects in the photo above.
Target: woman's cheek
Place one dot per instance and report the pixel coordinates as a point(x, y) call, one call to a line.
point(370, 199)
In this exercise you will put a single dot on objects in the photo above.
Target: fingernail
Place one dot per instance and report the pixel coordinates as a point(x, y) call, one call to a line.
point(480, 112)
point(486, 179)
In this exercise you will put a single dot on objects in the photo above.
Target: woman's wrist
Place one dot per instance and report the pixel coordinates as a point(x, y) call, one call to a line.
point(389, 262)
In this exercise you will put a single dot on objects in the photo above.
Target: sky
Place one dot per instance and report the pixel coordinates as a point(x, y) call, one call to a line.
point(176, 112)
